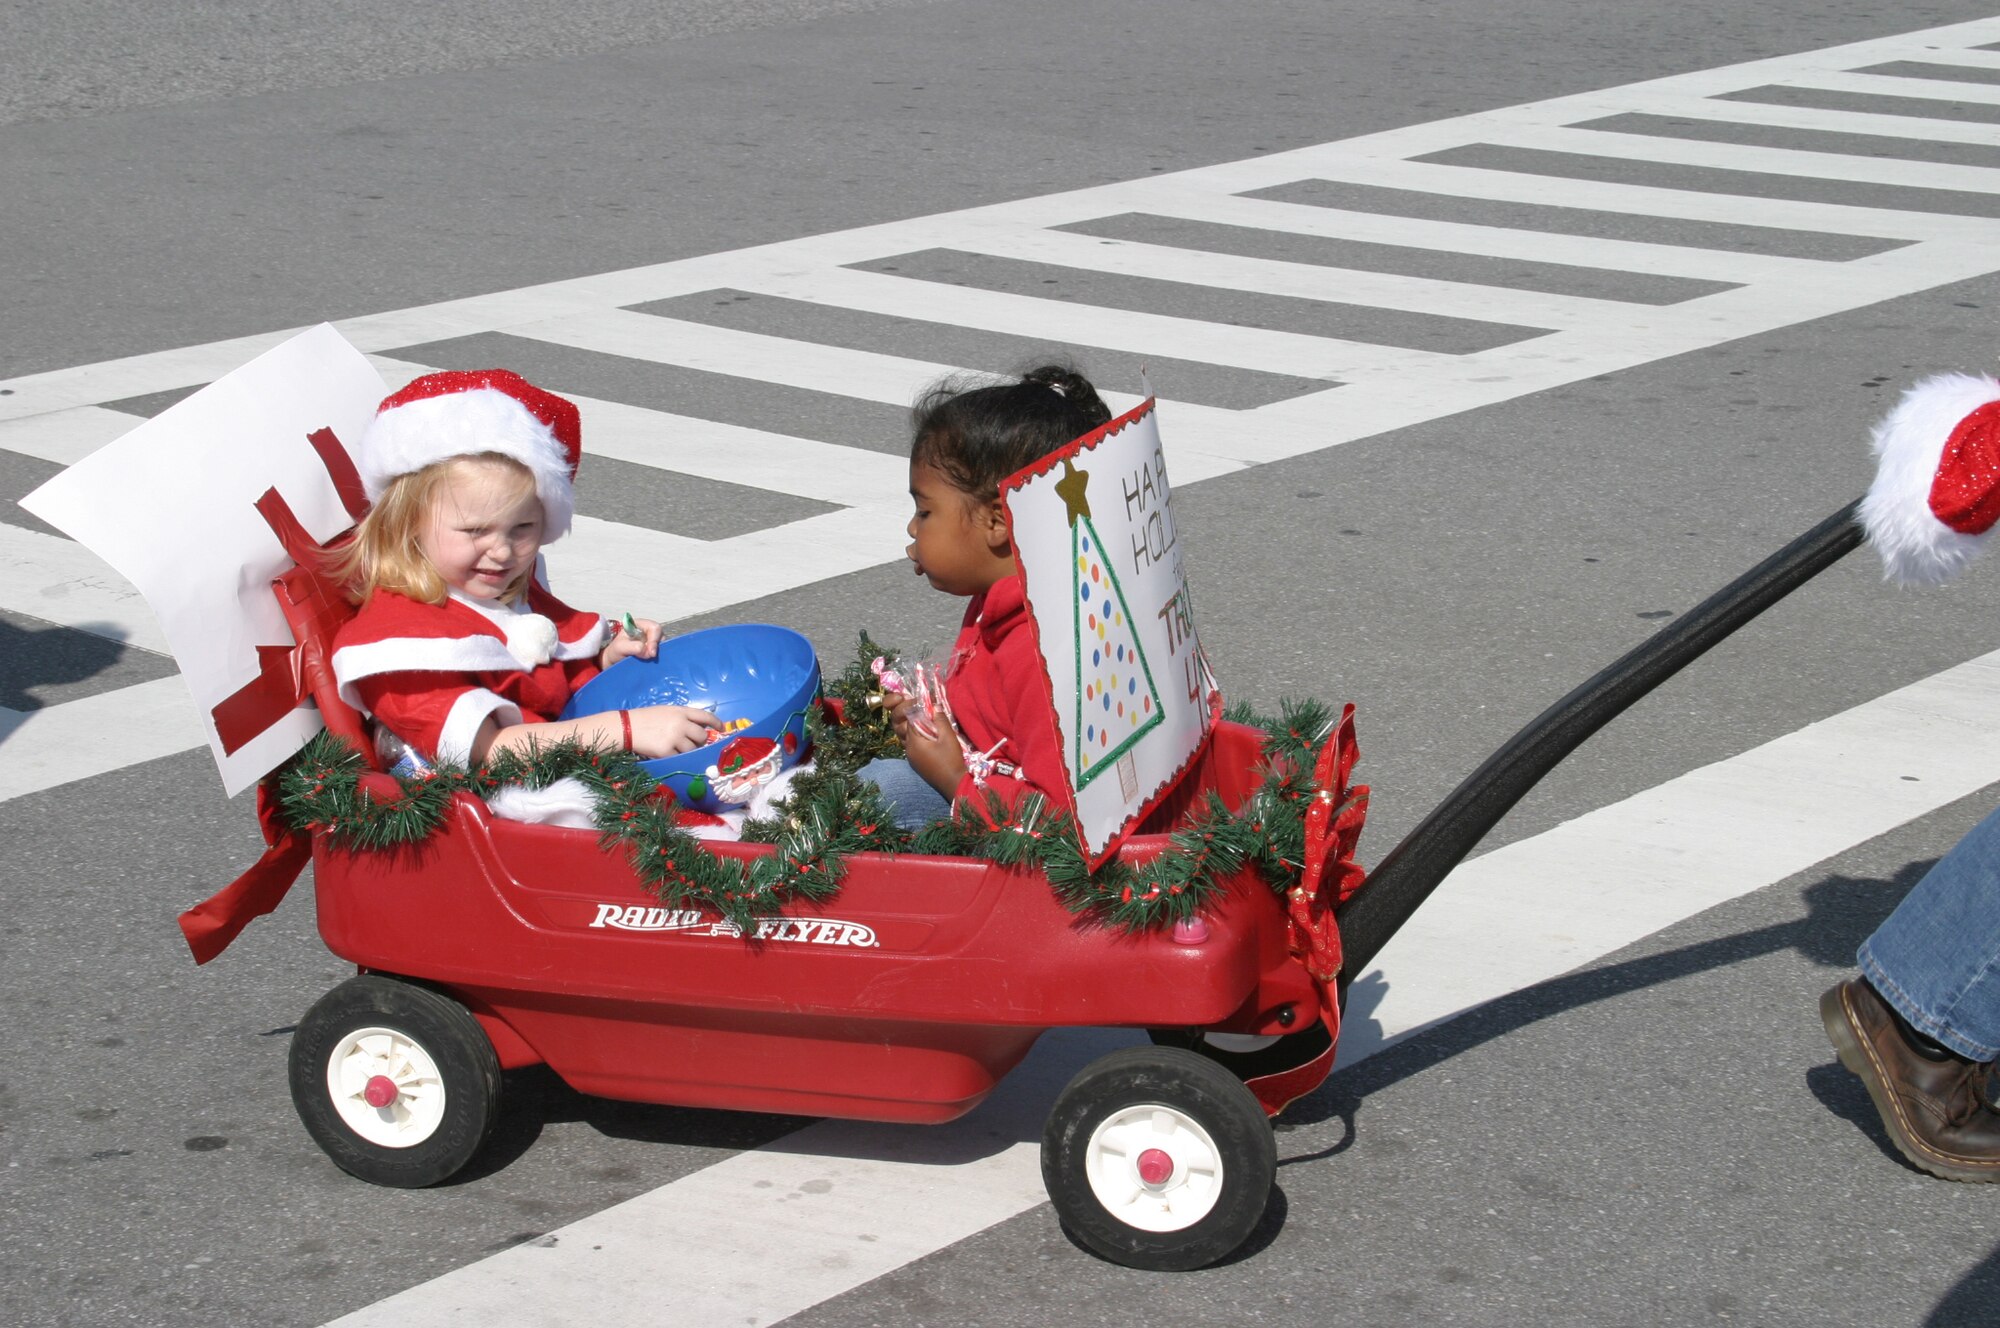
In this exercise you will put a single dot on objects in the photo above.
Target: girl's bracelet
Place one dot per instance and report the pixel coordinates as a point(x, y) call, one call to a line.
point(625, 721)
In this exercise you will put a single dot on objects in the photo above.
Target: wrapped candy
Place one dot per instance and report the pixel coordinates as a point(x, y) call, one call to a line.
point(921, 696)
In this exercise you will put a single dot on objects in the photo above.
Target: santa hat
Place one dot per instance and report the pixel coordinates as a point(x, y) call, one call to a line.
point(462, 412)
point(1936, 493)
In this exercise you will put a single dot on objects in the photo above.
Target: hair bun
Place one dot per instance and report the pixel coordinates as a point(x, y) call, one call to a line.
point(1059, 379)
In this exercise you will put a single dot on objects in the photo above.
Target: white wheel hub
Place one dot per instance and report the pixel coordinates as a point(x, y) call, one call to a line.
point(386, 1087)
point(1239, 1044)
point(1154, 1167)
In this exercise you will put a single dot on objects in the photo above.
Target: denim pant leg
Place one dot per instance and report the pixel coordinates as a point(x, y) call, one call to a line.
point(1937, 957)
point(908, 793)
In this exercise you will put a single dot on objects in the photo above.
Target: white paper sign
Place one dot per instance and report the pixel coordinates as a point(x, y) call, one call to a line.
point(173, 506)
point(1093, 531)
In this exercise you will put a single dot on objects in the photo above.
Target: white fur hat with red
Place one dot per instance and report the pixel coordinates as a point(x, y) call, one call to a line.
point(464, 412)
point(1936, 494)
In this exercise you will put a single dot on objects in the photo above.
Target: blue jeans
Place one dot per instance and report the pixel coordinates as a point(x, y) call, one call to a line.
point(1937, 957)
point(909, 795)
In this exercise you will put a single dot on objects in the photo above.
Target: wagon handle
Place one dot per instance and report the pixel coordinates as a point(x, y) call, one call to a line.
point(1405, 878)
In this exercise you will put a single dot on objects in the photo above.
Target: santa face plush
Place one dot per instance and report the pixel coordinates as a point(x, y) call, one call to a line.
point(484, 529)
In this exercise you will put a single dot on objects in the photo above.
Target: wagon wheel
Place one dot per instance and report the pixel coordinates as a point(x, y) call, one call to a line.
point(398, 1084)
point(1157, 1158)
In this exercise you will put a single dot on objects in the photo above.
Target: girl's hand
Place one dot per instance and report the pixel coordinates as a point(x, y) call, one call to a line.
point(620, 646)
point(896, 705)
point(670, 730)
point(935, 756)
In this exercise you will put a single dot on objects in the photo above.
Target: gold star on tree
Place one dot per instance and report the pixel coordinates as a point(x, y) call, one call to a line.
point(1071, 487)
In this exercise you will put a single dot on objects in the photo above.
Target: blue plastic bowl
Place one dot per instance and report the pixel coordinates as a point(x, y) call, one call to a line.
point(755, 671)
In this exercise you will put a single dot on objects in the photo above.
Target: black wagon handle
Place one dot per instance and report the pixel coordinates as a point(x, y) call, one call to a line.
point(1414, 868)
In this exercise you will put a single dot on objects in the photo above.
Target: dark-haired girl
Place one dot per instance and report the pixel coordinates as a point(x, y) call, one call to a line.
point(996, 733)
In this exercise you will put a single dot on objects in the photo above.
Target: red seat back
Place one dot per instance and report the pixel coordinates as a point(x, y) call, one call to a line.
point(316, 608)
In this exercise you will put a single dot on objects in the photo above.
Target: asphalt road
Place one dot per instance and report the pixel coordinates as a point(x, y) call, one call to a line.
point(1661, 1137)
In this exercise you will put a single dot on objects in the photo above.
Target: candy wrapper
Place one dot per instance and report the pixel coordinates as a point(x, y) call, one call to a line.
point(922, 687)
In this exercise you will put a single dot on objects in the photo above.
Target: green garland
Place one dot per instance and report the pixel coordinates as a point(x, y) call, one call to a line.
point(863, 733)
point(328, 789)
point(831, 814)
point(1213, 843)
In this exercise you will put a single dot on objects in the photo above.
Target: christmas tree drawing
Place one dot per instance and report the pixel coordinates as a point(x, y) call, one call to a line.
point(1115, 697)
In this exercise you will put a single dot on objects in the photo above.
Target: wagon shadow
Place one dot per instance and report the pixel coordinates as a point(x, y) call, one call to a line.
point(1840, 912)
point(534, 1098)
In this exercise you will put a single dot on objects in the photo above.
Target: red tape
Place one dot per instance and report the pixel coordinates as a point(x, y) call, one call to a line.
point(216, 921)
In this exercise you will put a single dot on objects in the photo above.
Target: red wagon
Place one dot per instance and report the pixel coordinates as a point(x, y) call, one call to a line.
point(493, 944)
point(496, 944)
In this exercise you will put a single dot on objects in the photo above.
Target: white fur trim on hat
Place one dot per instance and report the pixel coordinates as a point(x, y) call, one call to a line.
point(404, 439)
point(1917, 548)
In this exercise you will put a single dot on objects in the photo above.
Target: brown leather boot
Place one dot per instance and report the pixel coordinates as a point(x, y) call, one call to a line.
point(1937, 1112)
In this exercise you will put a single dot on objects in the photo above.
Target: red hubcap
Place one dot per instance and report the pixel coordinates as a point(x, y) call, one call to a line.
point(1155, 1167)
point(381, 1091)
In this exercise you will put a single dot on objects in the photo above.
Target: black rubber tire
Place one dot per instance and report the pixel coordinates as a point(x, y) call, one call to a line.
point(1290, 1051)
point(443, 1030)
point(1194, 1088)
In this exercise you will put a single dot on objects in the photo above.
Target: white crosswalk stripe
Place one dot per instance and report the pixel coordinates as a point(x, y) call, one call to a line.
point(1305, 281)
point(61, 743)
point(1827, 121)
point(60, 581)
point(1885, 85)
point(64, 436)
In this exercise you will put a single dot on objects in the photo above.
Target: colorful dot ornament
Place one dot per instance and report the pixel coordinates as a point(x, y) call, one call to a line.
point(1116, 699)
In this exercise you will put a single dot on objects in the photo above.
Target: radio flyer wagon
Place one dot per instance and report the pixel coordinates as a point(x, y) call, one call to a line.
point(494, 944)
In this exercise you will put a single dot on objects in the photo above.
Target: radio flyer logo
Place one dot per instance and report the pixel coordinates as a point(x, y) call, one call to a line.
point(692, 922)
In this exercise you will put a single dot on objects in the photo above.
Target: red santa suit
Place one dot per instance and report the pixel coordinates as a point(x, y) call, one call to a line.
point(433, 673)
point(999, 699)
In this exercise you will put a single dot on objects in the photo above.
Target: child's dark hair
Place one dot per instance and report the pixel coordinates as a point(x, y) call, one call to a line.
point(977, 436)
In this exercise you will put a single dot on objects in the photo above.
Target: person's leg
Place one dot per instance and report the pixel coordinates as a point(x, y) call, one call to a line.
point(915, 803)
point(1936, 959)
point(1921, 1027)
